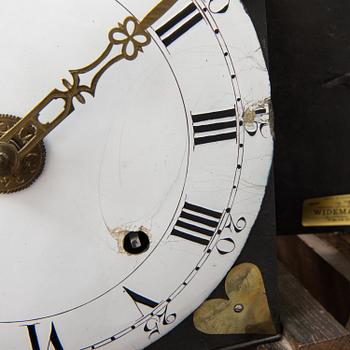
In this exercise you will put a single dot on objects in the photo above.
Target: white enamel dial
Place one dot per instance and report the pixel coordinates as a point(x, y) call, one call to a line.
point(164, 148)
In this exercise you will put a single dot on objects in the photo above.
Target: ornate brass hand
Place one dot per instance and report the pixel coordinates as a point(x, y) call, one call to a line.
point(131, 44)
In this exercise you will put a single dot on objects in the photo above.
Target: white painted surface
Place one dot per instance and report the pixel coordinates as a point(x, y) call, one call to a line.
point(125, 159)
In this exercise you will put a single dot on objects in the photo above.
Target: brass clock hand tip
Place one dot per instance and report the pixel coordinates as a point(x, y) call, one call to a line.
point(157, 12)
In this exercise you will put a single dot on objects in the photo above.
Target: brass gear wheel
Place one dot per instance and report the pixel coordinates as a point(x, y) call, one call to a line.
point(31, 166)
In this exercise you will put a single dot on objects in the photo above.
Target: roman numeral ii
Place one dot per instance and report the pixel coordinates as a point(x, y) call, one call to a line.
point(179, 24)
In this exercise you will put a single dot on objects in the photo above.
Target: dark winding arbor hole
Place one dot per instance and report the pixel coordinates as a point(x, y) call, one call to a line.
point(136, 242)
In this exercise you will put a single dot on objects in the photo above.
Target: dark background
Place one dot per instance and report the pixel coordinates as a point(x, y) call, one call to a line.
point(309, 59)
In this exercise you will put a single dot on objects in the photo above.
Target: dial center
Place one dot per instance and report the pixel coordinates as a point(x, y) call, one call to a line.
point(8, 159)
point(15, 173)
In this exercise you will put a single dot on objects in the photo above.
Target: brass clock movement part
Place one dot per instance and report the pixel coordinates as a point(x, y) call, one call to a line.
point(19, 173)
point(8, 159)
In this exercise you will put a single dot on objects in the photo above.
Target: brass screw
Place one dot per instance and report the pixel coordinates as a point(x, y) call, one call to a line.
point(238, 308)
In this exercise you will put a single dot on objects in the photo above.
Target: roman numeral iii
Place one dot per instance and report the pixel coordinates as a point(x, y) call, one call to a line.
point(196, 224)
point(179, 24)
point(214, 126)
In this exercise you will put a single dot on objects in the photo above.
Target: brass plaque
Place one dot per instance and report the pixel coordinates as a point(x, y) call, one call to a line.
point(327, 211)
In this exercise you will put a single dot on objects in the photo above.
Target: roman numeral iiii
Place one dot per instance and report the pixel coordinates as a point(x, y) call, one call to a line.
point(214, 126)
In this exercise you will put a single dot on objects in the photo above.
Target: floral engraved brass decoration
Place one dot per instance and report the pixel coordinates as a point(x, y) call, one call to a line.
point(131, 36)
point(30, 166)
point(245, 312)
point(258, 118)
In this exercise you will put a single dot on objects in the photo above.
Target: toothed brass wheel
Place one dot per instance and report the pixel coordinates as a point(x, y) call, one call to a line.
point(17, 174)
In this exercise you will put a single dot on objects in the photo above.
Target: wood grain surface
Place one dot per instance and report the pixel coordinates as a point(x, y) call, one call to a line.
point(307, 325)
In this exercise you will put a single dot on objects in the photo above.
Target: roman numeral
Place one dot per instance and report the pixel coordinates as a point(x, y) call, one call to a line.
point(139, 299)
point(196, 224)
point(175, 28)
point(54, 340)
point(214, 126)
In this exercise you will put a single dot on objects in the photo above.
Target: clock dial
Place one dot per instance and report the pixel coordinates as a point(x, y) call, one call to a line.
point(150, 187)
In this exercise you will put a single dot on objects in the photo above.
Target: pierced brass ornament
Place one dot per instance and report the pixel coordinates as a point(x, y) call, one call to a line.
point(129, 35)
point(19, 173)
point(245, 312)
point(22, 152)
